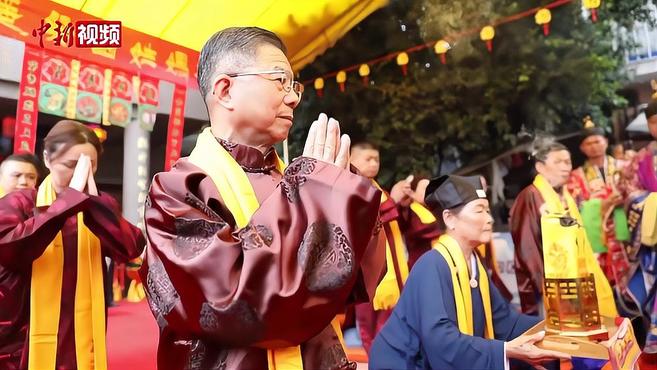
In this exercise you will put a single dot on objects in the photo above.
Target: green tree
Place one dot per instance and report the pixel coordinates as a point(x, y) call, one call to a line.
point(476, 103)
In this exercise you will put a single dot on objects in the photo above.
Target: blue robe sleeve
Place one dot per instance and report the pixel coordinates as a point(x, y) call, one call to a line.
point(444, 346)
point(508, 323)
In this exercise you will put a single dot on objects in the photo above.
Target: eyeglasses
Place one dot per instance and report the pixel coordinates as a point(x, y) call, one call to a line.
point(286, 79)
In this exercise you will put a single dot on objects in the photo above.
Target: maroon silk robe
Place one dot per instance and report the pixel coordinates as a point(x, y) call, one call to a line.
point(525, 225)
point(370, 321)
point(417, 235)
point(25, 232)
point(223, 295)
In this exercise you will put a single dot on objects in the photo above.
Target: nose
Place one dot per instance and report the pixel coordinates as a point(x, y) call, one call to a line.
point(292, 99)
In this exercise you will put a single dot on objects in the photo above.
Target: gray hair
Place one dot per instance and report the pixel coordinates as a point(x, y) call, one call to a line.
point(542, 146)
point(230, 49)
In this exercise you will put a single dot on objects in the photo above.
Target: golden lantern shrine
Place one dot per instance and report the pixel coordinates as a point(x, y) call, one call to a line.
point(569, 291)
point(487, 34)
point(100, 133)
point(319, 86)
point(341, 78)
point(592, 6)
point(364, 73)
point(441, 48)
point(402, 61)
point(543, 18)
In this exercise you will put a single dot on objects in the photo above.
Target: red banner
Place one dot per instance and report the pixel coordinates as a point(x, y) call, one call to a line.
point(121, 92)
point(175, 128)
point(58, 85)
point(139, 54)
point(27, 110)
point(149, 91)
point(148, 98)
point(91, 84)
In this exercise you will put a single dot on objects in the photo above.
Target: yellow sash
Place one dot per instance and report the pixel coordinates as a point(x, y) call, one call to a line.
point(425, 216)
point(387, 292)
point(452, 253)
point(2, 192)
point(649, 221)
point(46, 297)
point(603, 289)
point(239, 197)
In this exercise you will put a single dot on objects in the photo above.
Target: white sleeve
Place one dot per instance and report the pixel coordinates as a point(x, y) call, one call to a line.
point(506, 359)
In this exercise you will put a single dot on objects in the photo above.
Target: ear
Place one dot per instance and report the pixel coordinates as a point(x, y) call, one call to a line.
point(46, 161)
point(221, 91)
point(539, 166)
point(450, 219)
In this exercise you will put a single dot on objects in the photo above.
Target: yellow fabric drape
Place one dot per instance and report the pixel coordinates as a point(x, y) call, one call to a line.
point(238, 194)
point(46, 296)
point(135, 292)
point(308, 28)
point(649, 221)
point(452, 253)
point(350, 17)
point(605, 295)
point(425, 216)
point(387, 292)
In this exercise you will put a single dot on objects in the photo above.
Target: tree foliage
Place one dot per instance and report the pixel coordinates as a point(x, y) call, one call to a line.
point(473, 106)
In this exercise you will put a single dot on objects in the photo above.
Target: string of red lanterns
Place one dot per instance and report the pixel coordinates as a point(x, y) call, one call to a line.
point(542, 16)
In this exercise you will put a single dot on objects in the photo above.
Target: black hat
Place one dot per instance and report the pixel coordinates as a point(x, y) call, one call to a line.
point(451, 191)
point(590, 128)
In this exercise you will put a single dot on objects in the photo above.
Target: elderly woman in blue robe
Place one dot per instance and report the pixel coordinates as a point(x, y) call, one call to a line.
point(449, 315)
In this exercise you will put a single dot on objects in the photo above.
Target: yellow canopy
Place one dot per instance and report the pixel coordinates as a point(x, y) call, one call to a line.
point(308, 27)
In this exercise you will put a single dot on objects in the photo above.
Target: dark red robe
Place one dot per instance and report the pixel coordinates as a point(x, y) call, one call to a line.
point(525, 225)
point(223, 295)
point(417, 238)
point(25, 232)
point(417, 235)
point(370, 321)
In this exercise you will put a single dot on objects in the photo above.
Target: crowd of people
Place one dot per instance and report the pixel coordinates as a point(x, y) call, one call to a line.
point(250, 263)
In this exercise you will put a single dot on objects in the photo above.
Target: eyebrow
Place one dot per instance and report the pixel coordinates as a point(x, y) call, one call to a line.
point(22, 173)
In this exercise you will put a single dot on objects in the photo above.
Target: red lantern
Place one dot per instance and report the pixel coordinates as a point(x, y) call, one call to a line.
point(441, 48)
point(592, 6)
point(364, 73)
point(100, 133)
point(543, 18)
point(319, 86)
point(341, 78)
point(8, 126)
point(402, 61)
point(487, 34)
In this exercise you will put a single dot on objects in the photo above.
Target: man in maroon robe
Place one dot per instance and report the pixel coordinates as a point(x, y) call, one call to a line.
point(225, 296)
point(408, 194)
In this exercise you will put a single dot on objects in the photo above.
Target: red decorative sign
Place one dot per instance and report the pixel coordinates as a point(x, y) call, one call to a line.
point(149, 91)
point(58, 85)
point(120, 105)
point(175, 128)
point(149, 96)
point(27, 111)
point(89, 102)
point(40, 22)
